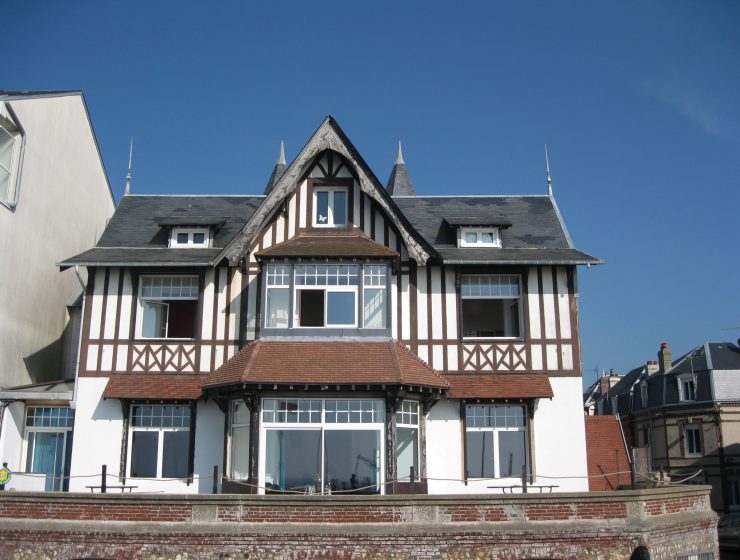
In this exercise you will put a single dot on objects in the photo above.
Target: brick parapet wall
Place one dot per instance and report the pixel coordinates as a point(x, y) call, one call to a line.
point(605, 525)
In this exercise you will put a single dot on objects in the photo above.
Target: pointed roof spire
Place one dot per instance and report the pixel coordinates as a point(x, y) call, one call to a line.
point(127, 190)
point(278, 170)
point(549, 178)
point(399, 183)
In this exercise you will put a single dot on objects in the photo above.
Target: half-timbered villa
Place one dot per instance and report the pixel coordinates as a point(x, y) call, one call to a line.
point(332, 335)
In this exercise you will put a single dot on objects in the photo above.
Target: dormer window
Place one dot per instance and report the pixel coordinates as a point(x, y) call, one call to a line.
point(479, 237)
point(330, 207)
point(183, 238)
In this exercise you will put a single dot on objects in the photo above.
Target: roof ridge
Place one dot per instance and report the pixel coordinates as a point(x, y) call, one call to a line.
point(252, 356)
point(414, 356)
point(396, 363)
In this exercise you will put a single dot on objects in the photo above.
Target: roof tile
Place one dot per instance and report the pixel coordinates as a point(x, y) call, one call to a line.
point(499, 386)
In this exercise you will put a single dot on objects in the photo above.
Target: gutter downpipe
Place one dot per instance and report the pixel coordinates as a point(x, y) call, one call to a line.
point(73, 403)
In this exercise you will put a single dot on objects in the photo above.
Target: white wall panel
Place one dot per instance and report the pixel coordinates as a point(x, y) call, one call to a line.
point(208, 303)
point(436, 311)
point(111, 304)
point(551, 355)
point(405, 308)
point(563, 303)
point(96, 309)
point(451, 302)
point(422, 329)
point(127, 300)
point(533, 301)
point(548, 302)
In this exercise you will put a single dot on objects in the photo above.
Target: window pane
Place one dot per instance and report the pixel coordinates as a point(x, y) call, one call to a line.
point(7, 142)
point(240, 453)
point(293, 459)
point(512, 453)
point(479, 454)
point(341, 308)
point(144, 454)
point(154, 319)
point(278, 300)
point(374, 308)
point(175, 454)
point(4, 185)
point(311, 308)
point(490, 318)
point(487, 238)
point(181, 318)
point(199, 238)
point(352, 459)
point(495, 286)
point(322, 207)
point(471, 237)
point(339, 208)
point(182, 238)
point(407, 451)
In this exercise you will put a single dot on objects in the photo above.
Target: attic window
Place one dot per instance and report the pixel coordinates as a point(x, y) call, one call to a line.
point(189, 238)
point(479, 237)
point(330, 207)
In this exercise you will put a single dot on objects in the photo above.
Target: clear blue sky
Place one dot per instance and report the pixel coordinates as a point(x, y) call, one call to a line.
point(639, 103)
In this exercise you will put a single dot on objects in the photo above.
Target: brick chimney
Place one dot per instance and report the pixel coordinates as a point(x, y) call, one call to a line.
point(652, 366)
point(665, 357)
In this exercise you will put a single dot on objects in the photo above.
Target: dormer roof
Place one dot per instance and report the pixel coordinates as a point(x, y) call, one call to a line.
point(329, 244)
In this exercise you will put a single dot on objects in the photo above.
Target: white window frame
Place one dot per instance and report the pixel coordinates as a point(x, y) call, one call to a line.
point(330, 218)
point(323, 426)
point(519, 298)
point(479, 232)
point(692, 427)
point(353, 288)
point(496, 430)
point(190, 243)
point(277, 278)
point(8, 127)
point(140, 307)
point(160, 439)
point(400, 415)
point(369, 273)
point(682, 393)
point(29, 451)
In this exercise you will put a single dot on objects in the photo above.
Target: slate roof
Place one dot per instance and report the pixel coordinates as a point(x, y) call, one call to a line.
point(325, 363)
point(137, 234)
point(160, 386)
point(331, 243)
point(537, 234)
point(399, 182)
point(605, 454)
point(499, 386)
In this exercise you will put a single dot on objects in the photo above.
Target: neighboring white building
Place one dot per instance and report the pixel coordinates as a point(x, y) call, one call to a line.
point(330, 335)
point(55, 200)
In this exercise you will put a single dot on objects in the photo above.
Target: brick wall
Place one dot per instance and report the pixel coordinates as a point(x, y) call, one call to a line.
point(604, 525)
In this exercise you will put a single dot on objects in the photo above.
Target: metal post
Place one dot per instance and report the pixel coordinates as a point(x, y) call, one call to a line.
point(104, 478)
point(633, 473)
point(524, 479)
point(412, 478)
point(215, 480)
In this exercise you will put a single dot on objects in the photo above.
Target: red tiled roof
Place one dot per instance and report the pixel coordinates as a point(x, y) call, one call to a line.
point(334, 243)
point(326, 363)
point(606, 453)
point(499, 386)
point(163, 386)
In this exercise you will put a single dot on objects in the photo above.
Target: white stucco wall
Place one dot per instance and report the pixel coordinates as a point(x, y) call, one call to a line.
point(558, 445)
point(11, 443)
point(209, 445)
point(63, 205)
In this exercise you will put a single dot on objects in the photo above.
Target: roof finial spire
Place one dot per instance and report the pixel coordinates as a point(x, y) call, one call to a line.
point(549, 178)
point(281, 159)
point(128, 175)
point(399, 157)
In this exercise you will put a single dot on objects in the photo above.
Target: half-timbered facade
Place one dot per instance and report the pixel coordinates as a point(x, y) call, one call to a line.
point(332, 335)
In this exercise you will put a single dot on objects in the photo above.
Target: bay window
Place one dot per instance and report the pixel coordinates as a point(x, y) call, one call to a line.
point(160, 441)
point(322, 445)
point(495, 441)
point(326, 295)
point(168, 307)
point(490, 306)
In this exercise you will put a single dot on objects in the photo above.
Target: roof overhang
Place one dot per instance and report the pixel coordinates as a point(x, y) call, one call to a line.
point(489, 386)
point(154, 387)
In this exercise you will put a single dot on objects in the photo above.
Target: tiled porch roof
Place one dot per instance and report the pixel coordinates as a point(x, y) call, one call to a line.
point(499, 386)
point(325, 363)
point(335, 243)
point(160, 386)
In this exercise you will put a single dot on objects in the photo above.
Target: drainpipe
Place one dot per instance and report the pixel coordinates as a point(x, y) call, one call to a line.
point(73, 403)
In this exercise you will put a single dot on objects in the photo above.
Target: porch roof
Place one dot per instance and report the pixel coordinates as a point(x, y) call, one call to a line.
point(157, 386)
point(499, 386)
point(324, 362)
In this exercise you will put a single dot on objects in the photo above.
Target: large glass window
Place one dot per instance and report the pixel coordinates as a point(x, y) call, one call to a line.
point(692, 440)
point(168, 306)
point(490, 306)
point(160, 441)
point(49, 444)
point(407, 439)
point(687, 388)
point(374, 301)
point(239, 440)
point(323, 446)
point(495, 440)
point(330, 206)
point(278, 296)
point(7, 152)
point(326, 295)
